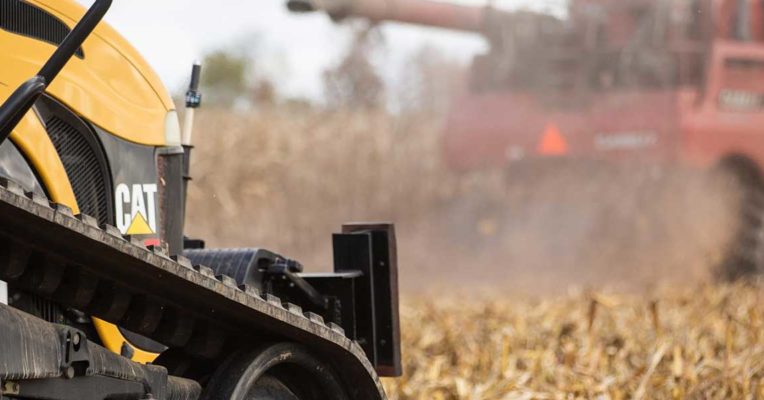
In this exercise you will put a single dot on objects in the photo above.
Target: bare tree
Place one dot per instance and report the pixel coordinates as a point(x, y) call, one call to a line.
point(429, 81)
point(355, 82)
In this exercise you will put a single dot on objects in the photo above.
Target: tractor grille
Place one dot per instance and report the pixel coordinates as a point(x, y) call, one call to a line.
point(25, 19)
point(83, 166)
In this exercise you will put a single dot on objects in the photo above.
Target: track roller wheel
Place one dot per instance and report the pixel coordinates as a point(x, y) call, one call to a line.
point(283, 371)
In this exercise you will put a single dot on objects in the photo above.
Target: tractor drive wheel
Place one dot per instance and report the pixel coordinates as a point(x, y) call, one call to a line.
point(283, 371)
point(744, 258)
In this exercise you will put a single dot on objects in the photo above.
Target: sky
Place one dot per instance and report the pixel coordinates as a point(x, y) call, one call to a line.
point(292, 49)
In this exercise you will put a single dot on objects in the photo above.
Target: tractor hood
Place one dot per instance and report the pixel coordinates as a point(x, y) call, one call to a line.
point(108, 82)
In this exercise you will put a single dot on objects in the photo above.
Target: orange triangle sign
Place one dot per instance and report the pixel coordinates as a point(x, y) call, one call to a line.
point(552, 142)
point(139, 226)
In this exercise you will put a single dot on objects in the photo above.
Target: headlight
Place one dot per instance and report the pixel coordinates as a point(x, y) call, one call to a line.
point(172, 129)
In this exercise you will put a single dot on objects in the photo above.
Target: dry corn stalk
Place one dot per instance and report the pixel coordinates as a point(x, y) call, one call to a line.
point(495, 347)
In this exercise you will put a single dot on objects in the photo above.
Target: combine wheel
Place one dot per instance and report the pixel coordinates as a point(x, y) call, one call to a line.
point(745, 256)
point(283, 371)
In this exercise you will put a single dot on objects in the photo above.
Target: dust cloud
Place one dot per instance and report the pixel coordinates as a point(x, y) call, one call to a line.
point(285, 181)
point(581, 223)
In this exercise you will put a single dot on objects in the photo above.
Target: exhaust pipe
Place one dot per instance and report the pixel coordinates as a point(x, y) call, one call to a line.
point(193, 101)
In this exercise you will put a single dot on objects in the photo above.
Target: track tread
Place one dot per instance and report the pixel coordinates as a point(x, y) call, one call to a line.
point(274, 300)
point(204, 270)
point(315, 318)
point(294, 309)
point(250, 290)
point(182, 261)
point(12, 187)
point(63, 210)
point(88, 220)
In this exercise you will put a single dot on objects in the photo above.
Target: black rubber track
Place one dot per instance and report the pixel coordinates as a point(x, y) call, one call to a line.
point(46, 250)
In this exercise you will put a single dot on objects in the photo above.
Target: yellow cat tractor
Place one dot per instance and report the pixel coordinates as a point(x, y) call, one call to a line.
point(101, 294)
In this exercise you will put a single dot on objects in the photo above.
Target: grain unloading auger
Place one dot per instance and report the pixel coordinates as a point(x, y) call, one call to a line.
point(102, 297)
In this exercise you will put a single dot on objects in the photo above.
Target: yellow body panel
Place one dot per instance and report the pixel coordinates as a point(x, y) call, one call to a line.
point(112, 87)
point(112, 339)
point(33, 141)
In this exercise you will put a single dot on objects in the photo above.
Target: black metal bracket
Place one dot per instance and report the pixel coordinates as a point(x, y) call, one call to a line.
point(361, 295)
point(23, 98)
point(371, 249)
point(289, 270)
point(76, 357)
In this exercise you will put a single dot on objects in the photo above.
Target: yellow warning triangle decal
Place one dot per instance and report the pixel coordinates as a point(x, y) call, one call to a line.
point(139, 226)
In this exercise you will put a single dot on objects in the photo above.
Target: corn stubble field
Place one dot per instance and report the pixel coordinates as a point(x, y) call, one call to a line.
point(703, 343)
point(501, 300)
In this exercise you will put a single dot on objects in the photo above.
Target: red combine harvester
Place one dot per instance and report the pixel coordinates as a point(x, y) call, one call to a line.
point(668, 81)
